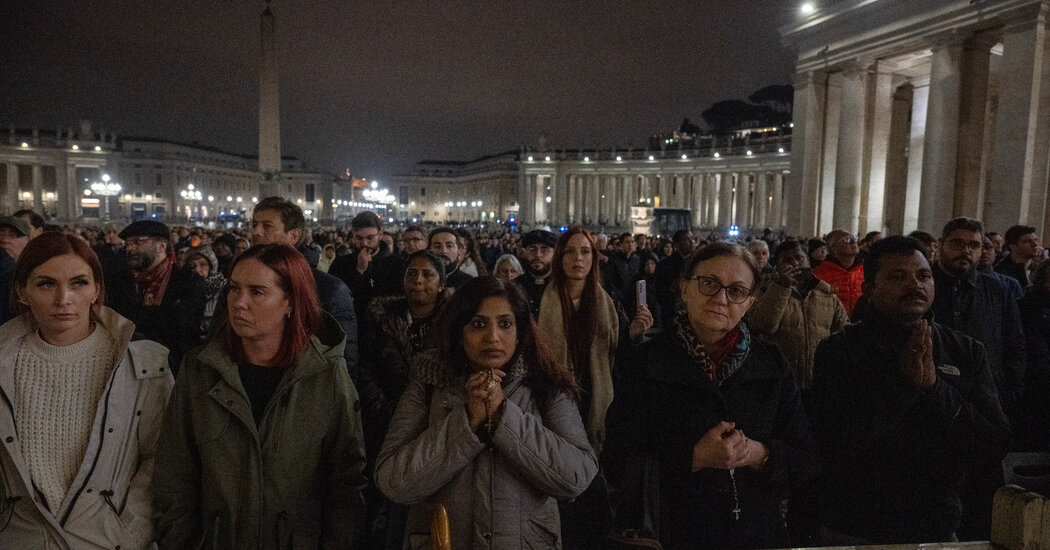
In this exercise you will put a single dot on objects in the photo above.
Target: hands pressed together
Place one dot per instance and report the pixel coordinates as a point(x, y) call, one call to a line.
point(724, 447)
point(484, 397)
point(917, 356)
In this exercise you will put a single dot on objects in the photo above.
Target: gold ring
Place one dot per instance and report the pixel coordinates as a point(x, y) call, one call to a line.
point(492, 384)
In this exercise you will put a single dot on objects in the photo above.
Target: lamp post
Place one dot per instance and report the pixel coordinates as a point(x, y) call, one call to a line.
point(191, 195)
point(105, 189)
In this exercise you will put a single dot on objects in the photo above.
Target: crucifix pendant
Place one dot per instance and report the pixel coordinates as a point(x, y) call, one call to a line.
point(736, 512)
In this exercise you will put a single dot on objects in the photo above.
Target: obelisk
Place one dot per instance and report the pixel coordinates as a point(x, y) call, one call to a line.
point(269, 109)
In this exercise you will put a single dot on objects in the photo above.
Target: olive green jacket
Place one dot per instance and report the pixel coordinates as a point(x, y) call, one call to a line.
point(294, 481)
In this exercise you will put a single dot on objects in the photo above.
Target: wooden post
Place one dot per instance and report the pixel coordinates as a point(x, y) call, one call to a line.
point(1020, 519)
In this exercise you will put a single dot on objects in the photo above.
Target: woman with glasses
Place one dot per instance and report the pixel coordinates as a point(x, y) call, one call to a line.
point(719, 410)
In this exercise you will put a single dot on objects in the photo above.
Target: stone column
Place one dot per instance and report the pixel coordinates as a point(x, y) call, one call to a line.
point(696, 191)
point(852, 148)
point(712, 201)
point(806, 151)
point(1019, 169)
point(564, 199)
point(73, 192)
point(761, 200)
point(742, 200)
point(776, 208)
point(976, 56)
point(526, 200)
point(829, 163)
point(725, 200)
point(919, 102)
point(941, 149)
point(62, 195)
point(874, 198)
point(897, 160)
point(38, 189)
point(11, 197)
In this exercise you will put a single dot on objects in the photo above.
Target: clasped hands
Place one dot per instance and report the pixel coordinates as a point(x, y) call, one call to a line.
point(482, 386)
point(724, 447)
point(917, 356)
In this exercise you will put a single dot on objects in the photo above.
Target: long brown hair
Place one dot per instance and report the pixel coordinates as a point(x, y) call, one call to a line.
point(544, 372)
point(297, 281)
point(579, 323)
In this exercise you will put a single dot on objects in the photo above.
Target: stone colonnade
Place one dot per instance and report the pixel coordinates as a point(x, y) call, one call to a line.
point(952, 124)
point(592, 195)
point(44, 184)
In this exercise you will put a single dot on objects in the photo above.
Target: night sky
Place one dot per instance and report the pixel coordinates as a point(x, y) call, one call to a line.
point(376, 86)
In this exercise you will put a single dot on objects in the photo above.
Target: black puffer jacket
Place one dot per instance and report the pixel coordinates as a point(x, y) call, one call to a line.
point(667, 408)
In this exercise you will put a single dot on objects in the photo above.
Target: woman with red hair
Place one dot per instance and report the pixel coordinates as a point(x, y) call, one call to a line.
point(262, 443)
point(82, 408)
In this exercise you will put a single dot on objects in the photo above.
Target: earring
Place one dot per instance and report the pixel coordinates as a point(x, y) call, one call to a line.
point(288, 315)
point(23, 302)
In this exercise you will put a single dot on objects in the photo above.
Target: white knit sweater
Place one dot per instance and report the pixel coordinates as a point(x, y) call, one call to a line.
point(57, 391)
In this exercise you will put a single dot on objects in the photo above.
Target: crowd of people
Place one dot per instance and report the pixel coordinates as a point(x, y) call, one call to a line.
point(282, 387)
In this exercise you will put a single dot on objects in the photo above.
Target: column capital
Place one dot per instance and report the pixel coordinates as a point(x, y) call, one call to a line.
point(1025, 17)
point(856, 67)
point(983, 41)
point(953, 38)
point(805, 79)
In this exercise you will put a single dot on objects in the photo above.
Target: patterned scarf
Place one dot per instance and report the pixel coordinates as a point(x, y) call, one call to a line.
point(154, 282)
point(728, 354)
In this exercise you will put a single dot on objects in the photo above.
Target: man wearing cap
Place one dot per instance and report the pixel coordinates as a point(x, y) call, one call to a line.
point(537, 254)
point(148, 285)
point(35, 221)
point(14, 235)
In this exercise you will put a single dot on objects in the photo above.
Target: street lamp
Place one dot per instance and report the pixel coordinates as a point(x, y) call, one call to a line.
point(105, 189)
point(191, 195)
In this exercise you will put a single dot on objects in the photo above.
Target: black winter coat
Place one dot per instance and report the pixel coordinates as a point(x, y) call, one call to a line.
point(893, 455)
point(670, 404)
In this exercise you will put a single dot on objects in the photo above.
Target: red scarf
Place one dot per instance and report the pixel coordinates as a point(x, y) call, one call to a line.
point(154, 282)
point(721, 350)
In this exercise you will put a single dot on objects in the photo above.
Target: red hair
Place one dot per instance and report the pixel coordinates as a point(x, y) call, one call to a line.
point(49, 245)
point(296, 279)
point(579, 322)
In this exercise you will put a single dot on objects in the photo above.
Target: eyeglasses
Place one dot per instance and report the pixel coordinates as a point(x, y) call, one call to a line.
point(137, 241)
point(709, 286)
point(959, 244)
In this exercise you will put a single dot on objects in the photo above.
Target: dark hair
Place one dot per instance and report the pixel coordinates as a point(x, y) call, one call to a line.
point(291, 214)
point(438, 230)
point(897, 244)
point(1015, 233)
point(296, 279)
point(366, 219)
point(715, 250)
point(1039, 280)
point(790, 245)
point(35, 220)
point(471, 246)
point(417, 228)
point(579, 323)
point(49, 245)
point(923, 237)
point(963, 223)
point(457, 312)
point(437, 261)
